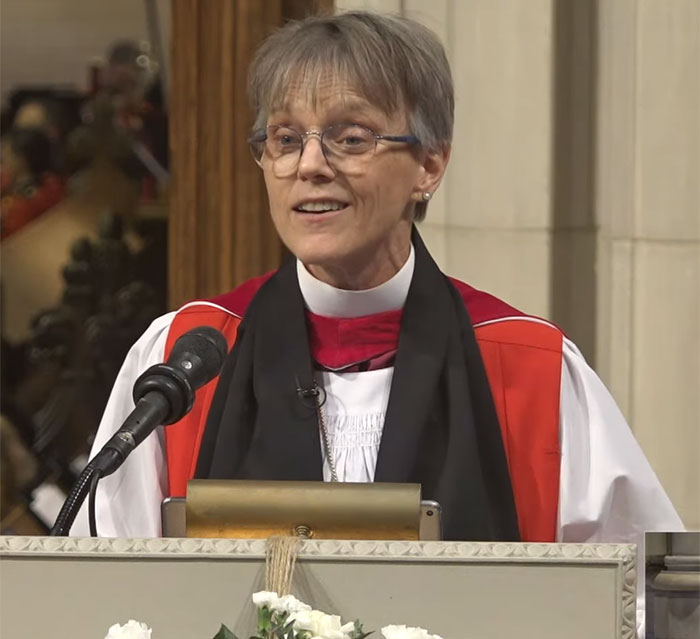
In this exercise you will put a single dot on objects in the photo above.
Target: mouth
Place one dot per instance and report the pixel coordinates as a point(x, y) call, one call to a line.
point(319, 207)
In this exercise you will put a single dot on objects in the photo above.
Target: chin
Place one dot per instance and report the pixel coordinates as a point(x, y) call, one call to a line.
point(319, 251)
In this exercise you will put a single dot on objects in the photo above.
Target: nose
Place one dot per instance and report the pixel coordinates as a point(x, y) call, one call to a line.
point(313, 163)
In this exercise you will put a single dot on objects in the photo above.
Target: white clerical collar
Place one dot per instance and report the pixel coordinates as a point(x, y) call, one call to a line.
point(324, 299)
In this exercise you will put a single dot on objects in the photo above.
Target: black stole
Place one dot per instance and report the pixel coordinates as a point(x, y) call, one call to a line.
point(441, 429)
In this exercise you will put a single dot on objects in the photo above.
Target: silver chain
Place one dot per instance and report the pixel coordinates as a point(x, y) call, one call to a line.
point(324, 433)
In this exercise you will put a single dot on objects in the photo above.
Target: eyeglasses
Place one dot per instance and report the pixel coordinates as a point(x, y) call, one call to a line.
point(346, 147)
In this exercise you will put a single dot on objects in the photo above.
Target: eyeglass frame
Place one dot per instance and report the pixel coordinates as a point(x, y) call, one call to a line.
point(261, 135)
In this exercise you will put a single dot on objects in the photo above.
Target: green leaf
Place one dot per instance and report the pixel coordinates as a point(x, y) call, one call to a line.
point(264, 620)
point(289, 627)
point(279, 619)
point(358, 632)
point(224, 633)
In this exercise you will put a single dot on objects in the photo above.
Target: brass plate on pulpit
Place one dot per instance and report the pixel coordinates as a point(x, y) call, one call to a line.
point(245, 509)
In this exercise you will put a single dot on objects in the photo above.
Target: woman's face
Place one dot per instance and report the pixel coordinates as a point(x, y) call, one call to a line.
point(365, 239)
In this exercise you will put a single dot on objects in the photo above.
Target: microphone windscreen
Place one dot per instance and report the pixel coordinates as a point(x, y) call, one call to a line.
point(199, 354)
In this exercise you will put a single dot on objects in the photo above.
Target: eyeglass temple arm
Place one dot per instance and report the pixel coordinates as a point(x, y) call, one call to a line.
point(411, 139)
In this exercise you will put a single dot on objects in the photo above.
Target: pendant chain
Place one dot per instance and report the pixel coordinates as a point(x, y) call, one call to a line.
point(324, 433)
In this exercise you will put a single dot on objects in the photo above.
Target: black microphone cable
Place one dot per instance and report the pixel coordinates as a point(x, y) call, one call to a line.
point(94, 480)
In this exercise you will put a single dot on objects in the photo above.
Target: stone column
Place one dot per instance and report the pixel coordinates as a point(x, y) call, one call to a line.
point(676, 591)
point(490, 223)
point(648, 211)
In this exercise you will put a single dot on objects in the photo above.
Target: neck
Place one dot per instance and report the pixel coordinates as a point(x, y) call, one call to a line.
point(370, 268)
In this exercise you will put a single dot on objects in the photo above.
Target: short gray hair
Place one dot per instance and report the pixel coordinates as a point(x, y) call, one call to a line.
point(394, 62)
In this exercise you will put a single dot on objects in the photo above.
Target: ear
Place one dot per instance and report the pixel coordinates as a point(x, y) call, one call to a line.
point(432, 169)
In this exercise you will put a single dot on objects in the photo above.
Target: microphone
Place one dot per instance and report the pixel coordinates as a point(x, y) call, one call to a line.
point(164, 393)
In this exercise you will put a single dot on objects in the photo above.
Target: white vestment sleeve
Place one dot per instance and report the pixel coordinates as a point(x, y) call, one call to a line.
point(128, 501)
point(608, 491)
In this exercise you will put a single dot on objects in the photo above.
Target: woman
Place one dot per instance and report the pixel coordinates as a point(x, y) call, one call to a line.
point(360, 360)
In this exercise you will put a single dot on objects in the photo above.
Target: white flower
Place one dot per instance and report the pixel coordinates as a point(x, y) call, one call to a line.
point(265, 598)
point(403, 632)
point(292, 605)
point(288, 603)
point(130, 630)
point(321, 625)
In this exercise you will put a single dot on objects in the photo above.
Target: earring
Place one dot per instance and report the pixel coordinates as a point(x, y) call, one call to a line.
point(427, 196)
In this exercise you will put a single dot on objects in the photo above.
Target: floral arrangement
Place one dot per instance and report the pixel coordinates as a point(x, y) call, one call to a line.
point(287, 618)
